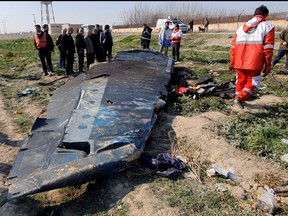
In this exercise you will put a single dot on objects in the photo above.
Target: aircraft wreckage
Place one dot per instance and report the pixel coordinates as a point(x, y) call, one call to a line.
point(96, 124)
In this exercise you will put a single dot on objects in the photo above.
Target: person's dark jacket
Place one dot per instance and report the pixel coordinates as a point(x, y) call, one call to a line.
point(50, 43)
point(108, 40)
point(68, 44)
point(59, 42)
point(146, 33)
point(80, 43)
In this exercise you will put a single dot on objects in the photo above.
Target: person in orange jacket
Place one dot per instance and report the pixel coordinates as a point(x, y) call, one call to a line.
point(175, 40)
point(251, 52)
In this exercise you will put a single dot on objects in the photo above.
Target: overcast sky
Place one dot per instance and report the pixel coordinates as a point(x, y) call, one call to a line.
point(17, 16)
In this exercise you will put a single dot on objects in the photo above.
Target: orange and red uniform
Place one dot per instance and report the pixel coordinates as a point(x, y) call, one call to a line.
point(40, 40)
point(251, 49)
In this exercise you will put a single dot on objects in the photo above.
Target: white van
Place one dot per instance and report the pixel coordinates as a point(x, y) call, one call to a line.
point(172, 22)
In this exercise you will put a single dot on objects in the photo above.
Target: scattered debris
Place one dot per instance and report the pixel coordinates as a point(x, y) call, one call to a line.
point(213, 73)
point(18, 111)
point(284, 158)
point(206, 86)
point(210, 62)
point(267, 202)
point(244, 197)
point(26, 92)
point(218, 171)
point(284, 141)
point(165, 164)
point(159, 103)
point(220, 187)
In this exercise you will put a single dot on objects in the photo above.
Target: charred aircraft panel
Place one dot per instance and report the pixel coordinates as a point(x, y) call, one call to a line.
point(96, 124)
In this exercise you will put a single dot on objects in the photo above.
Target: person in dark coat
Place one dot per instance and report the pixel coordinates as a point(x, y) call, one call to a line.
point(80, 47)
point(206, 24)
point(89, 49)
point(191, 23)
point(50, 47)
point(69, 47)
point(98, 49)
point(107, 43)
point(146, 36)
point(62, 54)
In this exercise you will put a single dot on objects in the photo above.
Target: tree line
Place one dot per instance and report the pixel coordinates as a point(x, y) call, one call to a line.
point(143, 13)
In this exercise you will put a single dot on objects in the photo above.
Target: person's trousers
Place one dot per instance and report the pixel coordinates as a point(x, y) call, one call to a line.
point(42, 55)
point(90, 59)
point(176, 51)
point(165, 50)
point(108, 52)
point(279, 56)
point(49, 60)
point(62, 59)
point(246, 83)
point(80, 61)
point(69, 65)
point(146, 44)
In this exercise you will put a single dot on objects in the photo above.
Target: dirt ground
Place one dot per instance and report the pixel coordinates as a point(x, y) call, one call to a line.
point(196, 128)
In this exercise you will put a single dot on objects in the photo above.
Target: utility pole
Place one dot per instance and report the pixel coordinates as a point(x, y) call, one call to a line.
point(34, 19)
point(4, 25)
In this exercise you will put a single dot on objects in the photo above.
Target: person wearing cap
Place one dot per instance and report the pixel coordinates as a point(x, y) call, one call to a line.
point(107, 42)
point(50, 47)
point(40, 43)
point(251, 53)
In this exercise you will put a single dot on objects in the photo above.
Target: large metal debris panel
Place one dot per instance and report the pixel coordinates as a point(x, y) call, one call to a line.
point(96, 124)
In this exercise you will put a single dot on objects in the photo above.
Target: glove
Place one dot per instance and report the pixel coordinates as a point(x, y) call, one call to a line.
point(231, 68)
point(267, 70)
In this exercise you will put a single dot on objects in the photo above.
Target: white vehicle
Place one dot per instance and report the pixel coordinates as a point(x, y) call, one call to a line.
point(172, 22)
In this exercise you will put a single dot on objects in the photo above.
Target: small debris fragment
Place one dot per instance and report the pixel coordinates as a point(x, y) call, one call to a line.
point(218, 171)
point(267, 202)
point(284, 158)
point(18, 111)
point(26, 92)
point(284, 141)
point(221, 188)
point(244, 197)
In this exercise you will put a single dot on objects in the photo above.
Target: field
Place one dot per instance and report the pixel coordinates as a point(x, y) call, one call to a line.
point(206, 131)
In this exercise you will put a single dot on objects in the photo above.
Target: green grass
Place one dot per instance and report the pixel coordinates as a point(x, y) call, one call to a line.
point(260, 133)
point(193, 199)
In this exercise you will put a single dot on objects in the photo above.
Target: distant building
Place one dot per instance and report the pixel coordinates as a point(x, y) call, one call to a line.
point(74, 26)
point(55, 28)
point(87, 26)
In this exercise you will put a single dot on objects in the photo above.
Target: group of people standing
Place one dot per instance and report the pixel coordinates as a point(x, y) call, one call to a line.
point(170, 37)
point(167, 37)
point(96, 45)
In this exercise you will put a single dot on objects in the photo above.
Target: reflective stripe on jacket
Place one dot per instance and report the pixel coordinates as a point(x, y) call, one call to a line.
point(253, 44)
point(176, 36)
point(42, 41)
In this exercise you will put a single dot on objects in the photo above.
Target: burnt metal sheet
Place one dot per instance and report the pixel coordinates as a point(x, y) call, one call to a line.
point(96, 124)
